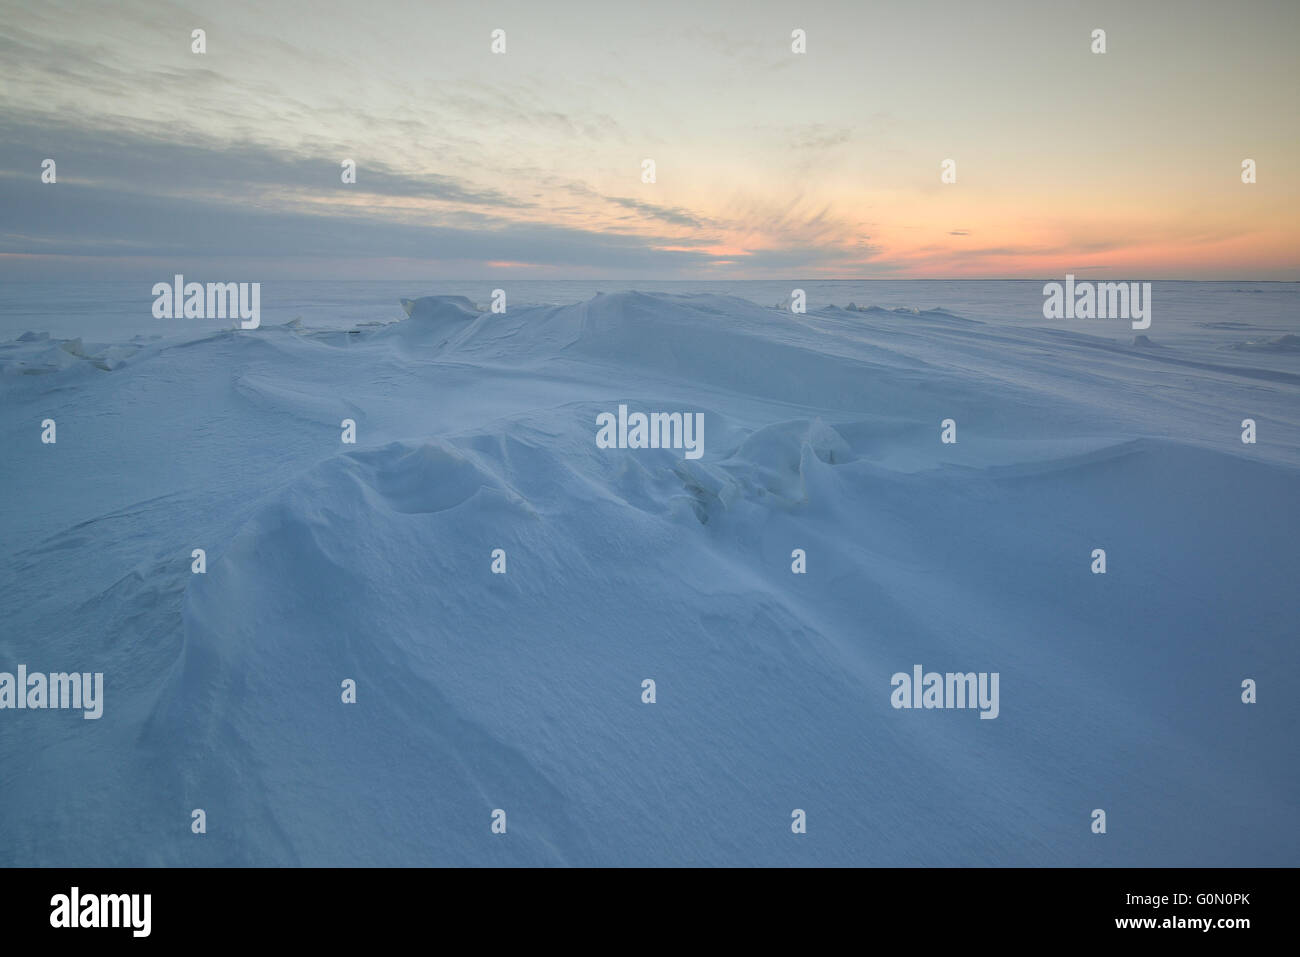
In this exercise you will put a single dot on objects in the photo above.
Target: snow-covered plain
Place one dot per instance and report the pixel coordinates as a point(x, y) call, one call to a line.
point(522, 691)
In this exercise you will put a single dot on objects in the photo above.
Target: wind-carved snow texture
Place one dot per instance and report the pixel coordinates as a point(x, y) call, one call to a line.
point(522, 691)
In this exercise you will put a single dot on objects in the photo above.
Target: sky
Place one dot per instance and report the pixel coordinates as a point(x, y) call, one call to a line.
point(769, 164)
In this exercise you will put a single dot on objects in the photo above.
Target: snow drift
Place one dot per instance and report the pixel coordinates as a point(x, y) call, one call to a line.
point(522, 691)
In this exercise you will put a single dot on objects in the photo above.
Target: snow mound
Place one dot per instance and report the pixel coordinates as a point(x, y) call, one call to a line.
point(774, 466)
point(37, 354)
point(439, 307)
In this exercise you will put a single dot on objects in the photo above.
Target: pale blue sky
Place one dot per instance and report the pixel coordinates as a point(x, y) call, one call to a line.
point(769, 164)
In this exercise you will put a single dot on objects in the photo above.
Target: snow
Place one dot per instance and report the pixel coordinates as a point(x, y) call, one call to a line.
point(1287, 343)
point(522, 691)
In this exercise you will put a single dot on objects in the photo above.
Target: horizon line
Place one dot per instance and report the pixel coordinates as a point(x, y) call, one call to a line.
point(779, 279)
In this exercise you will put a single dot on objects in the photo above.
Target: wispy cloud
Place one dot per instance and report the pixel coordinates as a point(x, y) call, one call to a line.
point(769, 162)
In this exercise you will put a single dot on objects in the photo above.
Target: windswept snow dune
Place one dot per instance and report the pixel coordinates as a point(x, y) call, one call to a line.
point(523, 691)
